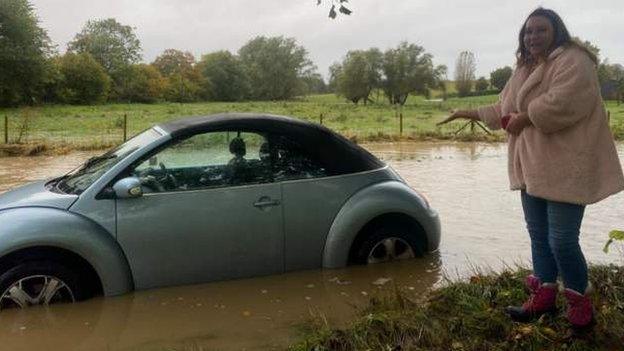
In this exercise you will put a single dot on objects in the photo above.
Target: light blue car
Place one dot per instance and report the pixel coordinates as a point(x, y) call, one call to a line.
point(204, 199)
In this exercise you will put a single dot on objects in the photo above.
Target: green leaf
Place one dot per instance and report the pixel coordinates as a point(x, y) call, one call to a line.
point(344, 10)
point(617, 235)
point(332, 12)
point(613, 235)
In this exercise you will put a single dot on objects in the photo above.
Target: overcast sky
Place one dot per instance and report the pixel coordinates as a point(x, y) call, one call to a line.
point(488, 28)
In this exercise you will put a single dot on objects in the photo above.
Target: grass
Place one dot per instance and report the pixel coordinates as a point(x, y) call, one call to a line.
point(101, 126)
point(468, 315)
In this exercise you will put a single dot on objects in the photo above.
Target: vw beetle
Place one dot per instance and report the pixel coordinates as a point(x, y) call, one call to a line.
point(203, 199)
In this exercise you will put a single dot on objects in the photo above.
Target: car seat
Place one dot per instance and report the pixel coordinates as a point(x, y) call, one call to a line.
point(237, 166)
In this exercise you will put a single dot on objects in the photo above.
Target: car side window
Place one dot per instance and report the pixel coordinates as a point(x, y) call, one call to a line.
point(216, 159)
point(293, 162)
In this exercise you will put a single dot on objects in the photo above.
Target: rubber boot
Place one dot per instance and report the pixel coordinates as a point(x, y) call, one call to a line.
point(580, 312)
point(542, 300)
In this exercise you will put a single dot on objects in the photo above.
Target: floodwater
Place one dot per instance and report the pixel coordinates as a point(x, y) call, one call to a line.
point(482, 226)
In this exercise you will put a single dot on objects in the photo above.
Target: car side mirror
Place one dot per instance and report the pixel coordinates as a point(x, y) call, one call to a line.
point(128, 188)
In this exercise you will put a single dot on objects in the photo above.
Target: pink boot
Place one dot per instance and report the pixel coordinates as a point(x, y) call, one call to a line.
point(542, 300)
point(580, 311)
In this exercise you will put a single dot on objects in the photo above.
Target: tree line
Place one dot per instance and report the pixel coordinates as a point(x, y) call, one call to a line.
point(103, 64)
point(398, 72)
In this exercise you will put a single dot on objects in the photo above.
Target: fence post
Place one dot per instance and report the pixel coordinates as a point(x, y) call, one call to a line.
point(608, 117)
point(321, 118)
point(125, 127)
point(401, 124)
point(6, 129)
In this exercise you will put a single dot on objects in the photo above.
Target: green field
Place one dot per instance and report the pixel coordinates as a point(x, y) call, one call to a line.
point(80, 127)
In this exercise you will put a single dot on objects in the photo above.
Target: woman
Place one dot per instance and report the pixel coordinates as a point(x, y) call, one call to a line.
point(561, 157)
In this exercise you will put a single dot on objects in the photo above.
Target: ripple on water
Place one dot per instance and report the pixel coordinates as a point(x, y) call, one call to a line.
point(467, 183)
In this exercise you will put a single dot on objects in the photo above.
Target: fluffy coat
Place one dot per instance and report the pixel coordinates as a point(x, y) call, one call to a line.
point(568, 154)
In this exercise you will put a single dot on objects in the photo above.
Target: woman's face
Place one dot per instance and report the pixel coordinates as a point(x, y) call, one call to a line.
point(538, 35)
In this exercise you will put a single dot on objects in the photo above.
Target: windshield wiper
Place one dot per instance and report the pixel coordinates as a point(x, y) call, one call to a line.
point(61, 183)
point(95, 159)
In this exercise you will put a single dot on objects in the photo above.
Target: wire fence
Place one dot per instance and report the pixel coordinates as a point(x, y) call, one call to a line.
point(78, 132)
point(95, 129)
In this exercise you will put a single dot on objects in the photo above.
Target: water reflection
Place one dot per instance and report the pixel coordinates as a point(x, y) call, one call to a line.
point(259, 313)
point(482, 220)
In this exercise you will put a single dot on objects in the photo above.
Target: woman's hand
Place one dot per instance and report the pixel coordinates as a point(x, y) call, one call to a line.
point(517, 123)
point(460, 114)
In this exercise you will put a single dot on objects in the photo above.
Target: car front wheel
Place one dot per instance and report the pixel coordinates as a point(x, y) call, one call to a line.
point(388, 243)
point(38, 283)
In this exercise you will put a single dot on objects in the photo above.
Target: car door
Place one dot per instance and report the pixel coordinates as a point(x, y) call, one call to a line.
point(314, 194)
point(209, 211)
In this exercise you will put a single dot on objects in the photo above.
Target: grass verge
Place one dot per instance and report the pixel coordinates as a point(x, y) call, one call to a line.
point(468, 315)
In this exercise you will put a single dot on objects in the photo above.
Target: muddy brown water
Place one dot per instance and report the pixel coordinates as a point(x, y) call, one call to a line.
point(482, 226)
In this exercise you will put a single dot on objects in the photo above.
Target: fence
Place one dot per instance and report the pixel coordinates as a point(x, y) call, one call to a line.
point(73, 130)
point(96, 127)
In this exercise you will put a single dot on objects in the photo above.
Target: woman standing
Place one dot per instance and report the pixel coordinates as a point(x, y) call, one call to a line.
point(561, 157)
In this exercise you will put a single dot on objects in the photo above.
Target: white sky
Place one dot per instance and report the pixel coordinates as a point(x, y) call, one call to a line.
point(488, 28)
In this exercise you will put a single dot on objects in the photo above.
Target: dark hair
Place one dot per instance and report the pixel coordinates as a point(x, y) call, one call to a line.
point(561, 36)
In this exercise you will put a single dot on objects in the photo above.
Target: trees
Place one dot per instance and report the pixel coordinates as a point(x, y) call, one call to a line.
point(482, 84)
point(139, 83)
point(358, 75)
point(113, 45)
point(184, 88)
point(82, 80)
point(500, 76)
point(225, 75)
point(335, 70)
point(274, 66)
point(409, 69)
point(184, 82)
point(611, 77)
point(24, 50)
point(314, 84)
point(174, 61)
point(464, 73)
point(398, 72)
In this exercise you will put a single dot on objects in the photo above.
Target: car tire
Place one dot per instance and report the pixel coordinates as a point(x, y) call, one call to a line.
point(389, 242)
point(23, 285)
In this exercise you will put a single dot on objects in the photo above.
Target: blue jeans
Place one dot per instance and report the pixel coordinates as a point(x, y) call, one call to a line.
point(554, 229)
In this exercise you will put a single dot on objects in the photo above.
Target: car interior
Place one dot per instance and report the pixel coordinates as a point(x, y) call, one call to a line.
point(249, 158)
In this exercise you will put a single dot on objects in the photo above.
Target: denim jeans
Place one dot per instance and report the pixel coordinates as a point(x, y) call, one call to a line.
point(554, 229)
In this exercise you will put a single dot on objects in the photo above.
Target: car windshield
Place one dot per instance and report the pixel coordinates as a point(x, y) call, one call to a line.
point(78, 180)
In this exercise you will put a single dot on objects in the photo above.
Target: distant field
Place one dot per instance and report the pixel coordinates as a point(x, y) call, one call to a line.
point(102, 125)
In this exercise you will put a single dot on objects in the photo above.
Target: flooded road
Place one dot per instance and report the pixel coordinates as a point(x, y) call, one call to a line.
point(481, 221)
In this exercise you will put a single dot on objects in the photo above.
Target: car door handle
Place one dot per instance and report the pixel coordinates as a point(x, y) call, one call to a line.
point(266, 202)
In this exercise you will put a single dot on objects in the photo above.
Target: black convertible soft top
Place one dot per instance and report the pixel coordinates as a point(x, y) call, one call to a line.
point(337, 153)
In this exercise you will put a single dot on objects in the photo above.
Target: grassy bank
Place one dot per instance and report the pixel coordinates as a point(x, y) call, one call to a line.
point(468, 315)
point(100, 126)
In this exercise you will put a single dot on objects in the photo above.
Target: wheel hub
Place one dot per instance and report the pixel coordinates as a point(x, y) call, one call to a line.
point(36, 290)
point(390, 249)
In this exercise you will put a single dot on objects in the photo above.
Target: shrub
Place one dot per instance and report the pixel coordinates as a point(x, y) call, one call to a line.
point(82, 80)
point(140, 83)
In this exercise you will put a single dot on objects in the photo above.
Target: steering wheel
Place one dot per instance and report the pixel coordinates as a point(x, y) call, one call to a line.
point(166, 179)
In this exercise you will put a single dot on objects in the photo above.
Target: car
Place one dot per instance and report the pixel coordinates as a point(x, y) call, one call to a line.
point(207, 198)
